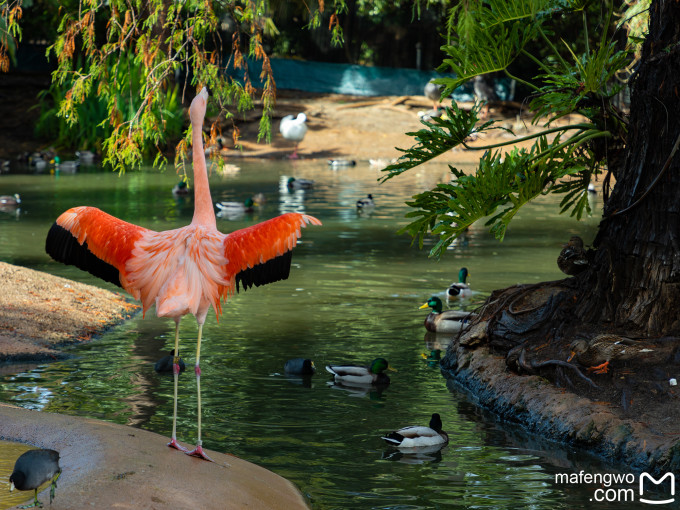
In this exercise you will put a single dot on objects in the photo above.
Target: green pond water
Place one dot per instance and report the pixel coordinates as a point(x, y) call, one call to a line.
point(353, 294)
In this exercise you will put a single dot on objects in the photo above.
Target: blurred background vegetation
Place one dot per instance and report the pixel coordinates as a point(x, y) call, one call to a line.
point(77, 114)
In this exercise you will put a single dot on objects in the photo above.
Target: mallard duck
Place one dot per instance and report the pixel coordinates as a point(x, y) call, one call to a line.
point(32, 469)
point(8, 201)
point(65, 166)
point(85, 157)
point(339, 163)
point(228, 170)
point(294, 183)
point(365, 203)
point(229, 209)
point(355, 375)
point(600, 350)
point(166, 362)
point(460, 288)
point(299, 366)
point(37, 161)
point(572, 259)
point(180, 189)
point(419, 436)
point(450, 321)
point(294, 128)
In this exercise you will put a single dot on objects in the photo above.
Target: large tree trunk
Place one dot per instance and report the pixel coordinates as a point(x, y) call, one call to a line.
point(634, 280)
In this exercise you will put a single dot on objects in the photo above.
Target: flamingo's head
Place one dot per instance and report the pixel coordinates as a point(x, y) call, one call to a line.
point(198, 106)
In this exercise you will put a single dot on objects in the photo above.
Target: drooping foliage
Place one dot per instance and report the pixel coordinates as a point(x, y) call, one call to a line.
point(489, 36)
point(124, 69)
point(130, 61)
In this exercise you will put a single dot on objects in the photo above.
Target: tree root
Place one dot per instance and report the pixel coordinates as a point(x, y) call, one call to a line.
point(531, 366)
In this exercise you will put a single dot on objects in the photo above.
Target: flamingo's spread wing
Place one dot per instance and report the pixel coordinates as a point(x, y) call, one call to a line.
point(262, 253)
point(93, 241)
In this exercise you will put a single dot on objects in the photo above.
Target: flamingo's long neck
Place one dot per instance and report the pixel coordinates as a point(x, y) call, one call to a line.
point(204, 213)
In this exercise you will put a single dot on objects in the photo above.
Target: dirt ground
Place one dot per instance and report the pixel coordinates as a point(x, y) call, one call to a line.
point(339, 126)
point(40, 312)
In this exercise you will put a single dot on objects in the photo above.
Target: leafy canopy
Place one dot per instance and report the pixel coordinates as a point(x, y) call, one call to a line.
point(489, 36)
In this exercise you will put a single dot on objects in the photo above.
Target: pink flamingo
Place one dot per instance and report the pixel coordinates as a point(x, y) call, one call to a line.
point(181, 271)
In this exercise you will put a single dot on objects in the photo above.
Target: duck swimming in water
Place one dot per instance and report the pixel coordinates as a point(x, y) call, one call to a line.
point(459, 289)
point(417, 436)
point(355, 375)
point(449, 321)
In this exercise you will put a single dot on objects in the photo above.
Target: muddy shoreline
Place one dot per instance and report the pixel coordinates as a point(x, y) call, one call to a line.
point(41, 313)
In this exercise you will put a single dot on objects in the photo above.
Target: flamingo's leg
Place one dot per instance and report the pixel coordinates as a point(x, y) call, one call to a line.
point(198, 451)
point(175, 371)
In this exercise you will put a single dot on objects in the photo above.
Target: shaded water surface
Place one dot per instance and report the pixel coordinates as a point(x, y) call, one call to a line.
point(353, 295)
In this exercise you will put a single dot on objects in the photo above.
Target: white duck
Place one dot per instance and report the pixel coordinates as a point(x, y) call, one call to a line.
point(418, 436)
point(295, 129)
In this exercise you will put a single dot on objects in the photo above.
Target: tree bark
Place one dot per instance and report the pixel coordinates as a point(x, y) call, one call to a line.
point(634, 278)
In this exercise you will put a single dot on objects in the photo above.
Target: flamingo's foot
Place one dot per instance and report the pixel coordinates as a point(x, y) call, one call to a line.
point(174, 444)
point(293, 156)
point(198, 452)
point(600, 369)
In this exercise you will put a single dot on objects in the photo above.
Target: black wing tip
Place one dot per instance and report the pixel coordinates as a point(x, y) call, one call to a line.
point(273, 270)
point(63, 247)
point(393, 437)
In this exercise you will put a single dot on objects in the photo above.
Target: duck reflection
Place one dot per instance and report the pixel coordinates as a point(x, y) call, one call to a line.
point(436, 341)
point(10, 204)
point(300, 380)
point(418, 455)
point(292, 198)
point(372, 392)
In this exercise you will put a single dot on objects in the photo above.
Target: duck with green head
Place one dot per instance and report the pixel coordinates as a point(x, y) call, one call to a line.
point(234, 210)
point(460, 289)
point(449, 321)
point(355, 375)
point(294, 183)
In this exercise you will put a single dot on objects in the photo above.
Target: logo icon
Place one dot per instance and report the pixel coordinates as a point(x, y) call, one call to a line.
point(657, 482)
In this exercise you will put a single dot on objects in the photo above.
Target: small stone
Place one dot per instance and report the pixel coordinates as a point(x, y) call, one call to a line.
point(673, 382)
